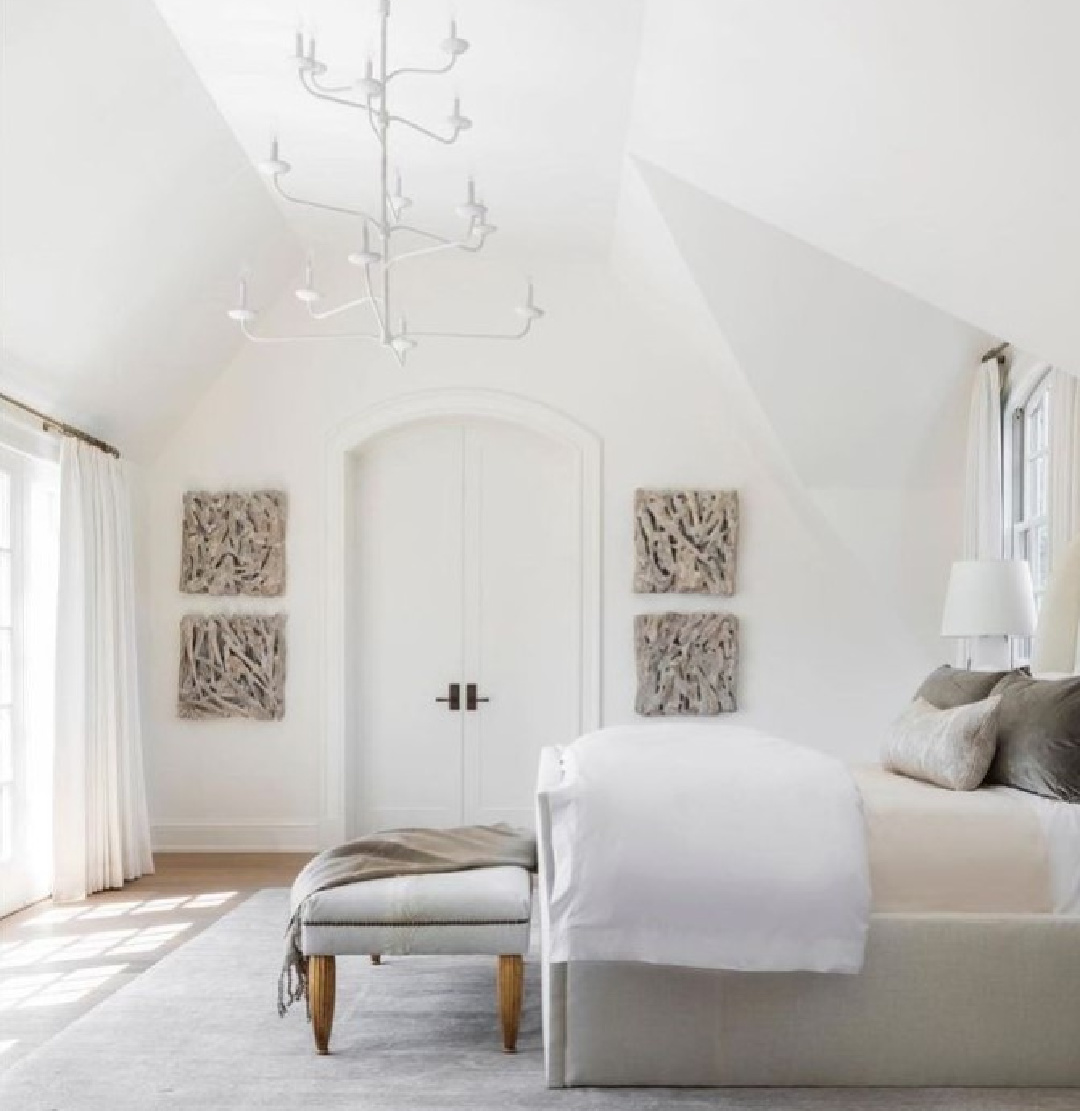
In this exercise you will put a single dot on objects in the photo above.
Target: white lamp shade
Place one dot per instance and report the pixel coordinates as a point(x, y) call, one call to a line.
point(989, 597)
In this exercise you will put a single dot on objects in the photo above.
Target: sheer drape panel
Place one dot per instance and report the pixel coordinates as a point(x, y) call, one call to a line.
point(101, 831)
point(984, 525)
point(1064, 500)
point(984, 519)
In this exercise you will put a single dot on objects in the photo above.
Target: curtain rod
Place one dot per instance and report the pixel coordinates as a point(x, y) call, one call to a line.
point(996, 352)
point(51, 424)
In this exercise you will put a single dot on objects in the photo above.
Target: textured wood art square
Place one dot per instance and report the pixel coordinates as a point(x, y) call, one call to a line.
point(685, 541)
point(234, 543)
point(232, 667)
point(686, 663)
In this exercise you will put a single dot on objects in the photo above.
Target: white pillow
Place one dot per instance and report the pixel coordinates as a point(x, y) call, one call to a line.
point(951, 748)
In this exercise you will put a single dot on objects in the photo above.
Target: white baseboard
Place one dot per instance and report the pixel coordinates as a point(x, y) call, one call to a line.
point(297, 837)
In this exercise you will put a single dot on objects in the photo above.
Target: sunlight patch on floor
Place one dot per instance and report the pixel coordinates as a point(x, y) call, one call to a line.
point(49, 950)
point(72, 987)
point(207, 900)
point(211, 899)
point(154, 937)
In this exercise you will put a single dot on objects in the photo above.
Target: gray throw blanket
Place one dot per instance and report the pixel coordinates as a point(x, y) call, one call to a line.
point(398, 852)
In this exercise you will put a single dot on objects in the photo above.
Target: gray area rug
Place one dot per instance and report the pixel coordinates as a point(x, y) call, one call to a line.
point(199, 1030)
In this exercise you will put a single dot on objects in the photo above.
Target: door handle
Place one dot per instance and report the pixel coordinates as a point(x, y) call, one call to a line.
point(470, 697)
point(453, 698)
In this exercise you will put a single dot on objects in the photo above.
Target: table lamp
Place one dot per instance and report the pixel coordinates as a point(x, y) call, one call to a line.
point(989, 598)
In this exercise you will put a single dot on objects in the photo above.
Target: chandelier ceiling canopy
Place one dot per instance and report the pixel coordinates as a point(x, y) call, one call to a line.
point(386, 238)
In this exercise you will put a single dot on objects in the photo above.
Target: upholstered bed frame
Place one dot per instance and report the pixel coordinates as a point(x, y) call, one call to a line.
point(976, 1000)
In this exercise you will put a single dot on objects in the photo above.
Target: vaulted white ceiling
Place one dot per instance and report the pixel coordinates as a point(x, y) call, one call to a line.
point(126, 210)
point(933, 144)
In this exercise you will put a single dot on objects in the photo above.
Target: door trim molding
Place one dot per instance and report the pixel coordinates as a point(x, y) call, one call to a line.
point(433, 405)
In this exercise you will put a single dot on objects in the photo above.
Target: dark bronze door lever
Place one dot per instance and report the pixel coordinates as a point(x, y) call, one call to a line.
point(470, 697)
point(453, 698)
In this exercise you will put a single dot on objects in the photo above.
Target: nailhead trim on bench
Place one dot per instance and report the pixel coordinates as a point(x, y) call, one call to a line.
point(415, 925)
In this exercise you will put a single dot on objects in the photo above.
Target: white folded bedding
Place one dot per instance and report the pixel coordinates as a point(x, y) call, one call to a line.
point(708, 846)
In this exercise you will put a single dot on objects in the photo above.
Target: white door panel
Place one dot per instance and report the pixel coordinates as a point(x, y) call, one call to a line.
point(526, 651)
point(408, 541)
point(467, 570)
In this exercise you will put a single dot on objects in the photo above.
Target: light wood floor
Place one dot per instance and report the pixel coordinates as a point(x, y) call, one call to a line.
point(59, 960)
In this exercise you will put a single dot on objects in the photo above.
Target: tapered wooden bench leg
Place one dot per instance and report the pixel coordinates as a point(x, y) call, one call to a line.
point(510, 987)
point(322, 981)
point(376, 958)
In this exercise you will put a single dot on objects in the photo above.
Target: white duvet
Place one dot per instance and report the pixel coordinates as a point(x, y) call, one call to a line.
point(709, 846)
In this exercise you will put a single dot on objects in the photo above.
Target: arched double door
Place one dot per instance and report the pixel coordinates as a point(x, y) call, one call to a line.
point(464, 578)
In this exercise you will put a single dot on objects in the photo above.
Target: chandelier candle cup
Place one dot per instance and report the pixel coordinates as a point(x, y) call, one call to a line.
point(456, 120)
point(274, 165)
point(453, 44)
point(369, 86)
point(365, 256)
point(242, 314)
point(307, 292)
point(397, 241)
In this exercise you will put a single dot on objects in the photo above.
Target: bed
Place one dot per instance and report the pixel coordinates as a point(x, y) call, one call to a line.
point(971, 973)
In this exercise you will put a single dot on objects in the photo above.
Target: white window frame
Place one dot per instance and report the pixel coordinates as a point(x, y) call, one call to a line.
point(23, 878)
point(1025, 520)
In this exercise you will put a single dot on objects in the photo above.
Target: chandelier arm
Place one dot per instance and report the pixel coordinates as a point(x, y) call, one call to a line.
point(521, 333)
point(421, 71)
point(305, 338)
point(422, 232)
point(444, 239)
point(377, 306)
point(308, 84)
point(325, 314)
point(446, 142)
point(322, 205)
point(449, 245)
point(313, 78)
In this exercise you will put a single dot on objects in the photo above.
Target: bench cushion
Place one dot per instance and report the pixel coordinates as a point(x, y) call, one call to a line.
point(484, 910)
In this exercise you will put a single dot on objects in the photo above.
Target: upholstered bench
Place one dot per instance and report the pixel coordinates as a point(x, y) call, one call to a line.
point(481, 911)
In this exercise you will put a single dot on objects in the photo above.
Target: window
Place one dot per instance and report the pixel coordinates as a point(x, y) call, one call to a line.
point(1028, 490)
point(28, 556)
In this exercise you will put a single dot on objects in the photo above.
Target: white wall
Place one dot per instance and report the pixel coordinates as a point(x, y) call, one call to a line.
point(827, 657)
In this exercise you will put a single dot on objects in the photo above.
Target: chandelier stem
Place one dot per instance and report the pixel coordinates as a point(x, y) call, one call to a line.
point(384, 169)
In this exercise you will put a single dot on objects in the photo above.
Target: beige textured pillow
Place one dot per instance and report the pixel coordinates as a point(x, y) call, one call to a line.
point(952, 748)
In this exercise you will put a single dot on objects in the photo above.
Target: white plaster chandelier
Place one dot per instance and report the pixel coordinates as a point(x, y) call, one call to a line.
point(386, 237)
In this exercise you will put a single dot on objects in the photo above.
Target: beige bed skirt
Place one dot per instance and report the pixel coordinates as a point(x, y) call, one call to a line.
point(962, 1000)
point(976, 986)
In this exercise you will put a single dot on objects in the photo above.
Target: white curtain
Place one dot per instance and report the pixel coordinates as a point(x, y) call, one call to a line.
point(101, 834)
point(1064, 491)
point(984, 526)
point(984, 520)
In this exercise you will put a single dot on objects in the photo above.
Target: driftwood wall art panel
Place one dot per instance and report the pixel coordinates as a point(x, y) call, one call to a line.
point(234, 543)
point(685, 541)
point(686, 663)
point(232, 667)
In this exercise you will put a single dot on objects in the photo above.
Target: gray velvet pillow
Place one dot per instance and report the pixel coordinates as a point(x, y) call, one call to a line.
point(953, 686)
point(1038, 747)
point(951, 748)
